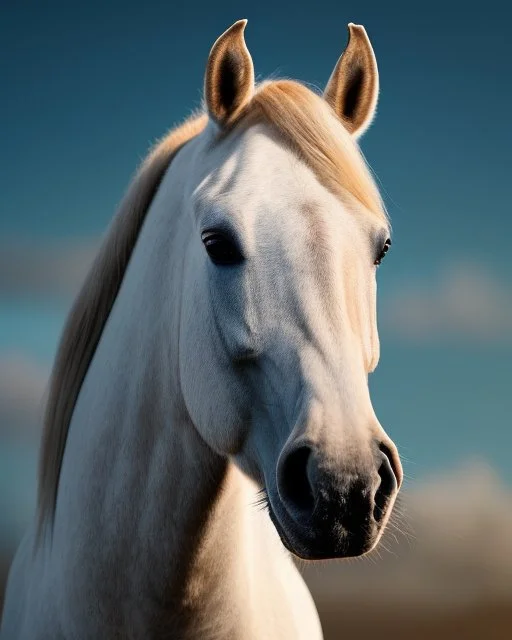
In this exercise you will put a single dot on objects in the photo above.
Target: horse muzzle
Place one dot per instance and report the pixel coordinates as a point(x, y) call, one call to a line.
point(323, 511)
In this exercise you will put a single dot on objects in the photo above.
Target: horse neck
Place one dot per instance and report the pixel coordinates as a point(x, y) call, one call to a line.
point(147, 512)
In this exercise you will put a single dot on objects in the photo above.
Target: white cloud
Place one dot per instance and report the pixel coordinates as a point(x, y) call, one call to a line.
point(22, 389)
point(460, 550)
point(37, 268)
point(467, 302)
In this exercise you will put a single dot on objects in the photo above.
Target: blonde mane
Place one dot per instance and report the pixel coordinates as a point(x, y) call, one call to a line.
point(318, 137)
point(305, 122)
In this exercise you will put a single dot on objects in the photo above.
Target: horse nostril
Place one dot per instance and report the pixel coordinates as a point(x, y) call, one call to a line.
point(388, 483)
point(294, 481)
point(394, 462)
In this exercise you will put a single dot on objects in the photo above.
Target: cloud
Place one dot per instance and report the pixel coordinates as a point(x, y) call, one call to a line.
point(22, 390)
point(39, 269)
point(460, 550)
point(467, 302)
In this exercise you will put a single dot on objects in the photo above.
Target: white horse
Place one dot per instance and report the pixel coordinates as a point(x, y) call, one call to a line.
point(219, 352)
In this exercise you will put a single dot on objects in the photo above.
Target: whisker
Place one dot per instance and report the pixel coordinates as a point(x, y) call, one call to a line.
point(261, 502)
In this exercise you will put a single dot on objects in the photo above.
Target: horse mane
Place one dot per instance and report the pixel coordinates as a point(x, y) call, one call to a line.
point(314, 132)
point(305, 122)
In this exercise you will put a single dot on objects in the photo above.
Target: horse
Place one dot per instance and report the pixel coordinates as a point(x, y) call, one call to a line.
point(208, 417)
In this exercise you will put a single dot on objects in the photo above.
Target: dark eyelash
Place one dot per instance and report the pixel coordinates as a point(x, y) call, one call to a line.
point(383, 252)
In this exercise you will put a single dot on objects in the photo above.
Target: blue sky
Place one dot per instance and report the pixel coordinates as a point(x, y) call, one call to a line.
point(87, 87)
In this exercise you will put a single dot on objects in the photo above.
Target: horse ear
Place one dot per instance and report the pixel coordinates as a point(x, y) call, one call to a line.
point(229, 80)
point(353, 87)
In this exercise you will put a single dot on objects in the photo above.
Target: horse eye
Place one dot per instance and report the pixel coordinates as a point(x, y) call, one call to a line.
point(221, 248)
point(383, 252)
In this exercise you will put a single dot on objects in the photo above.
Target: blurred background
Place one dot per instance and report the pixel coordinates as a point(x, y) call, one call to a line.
point(87, 87)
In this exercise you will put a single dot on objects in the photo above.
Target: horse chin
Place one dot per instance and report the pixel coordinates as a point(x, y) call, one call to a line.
point(307, 543)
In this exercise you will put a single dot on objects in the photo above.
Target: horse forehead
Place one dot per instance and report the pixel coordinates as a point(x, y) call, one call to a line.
point(255, 164)
point(253, 172)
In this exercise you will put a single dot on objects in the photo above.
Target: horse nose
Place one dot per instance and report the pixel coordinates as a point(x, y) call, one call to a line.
point(315, 494)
